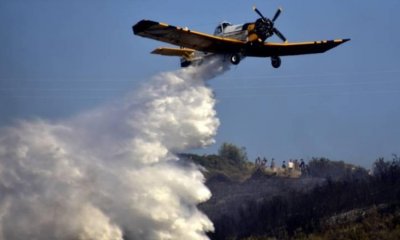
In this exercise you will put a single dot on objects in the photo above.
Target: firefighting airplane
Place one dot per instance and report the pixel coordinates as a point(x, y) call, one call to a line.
point(232, 41)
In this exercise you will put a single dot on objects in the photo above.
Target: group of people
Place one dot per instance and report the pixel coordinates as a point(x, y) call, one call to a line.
point(263, 162)
point(290, 165)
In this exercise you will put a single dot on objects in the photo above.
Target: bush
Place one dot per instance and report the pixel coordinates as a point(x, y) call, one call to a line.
point(232, 152)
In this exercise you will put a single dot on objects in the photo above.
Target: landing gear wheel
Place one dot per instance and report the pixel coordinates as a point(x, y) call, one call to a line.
point(276, 62)
point(235, 59)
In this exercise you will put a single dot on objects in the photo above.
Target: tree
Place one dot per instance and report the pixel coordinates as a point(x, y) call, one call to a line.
point(232, 152)
point(335, 170)
point(386, 170)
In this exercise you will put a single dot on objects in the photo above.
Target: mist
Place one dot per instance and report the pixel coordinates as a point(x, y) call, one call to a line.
point(112, 172)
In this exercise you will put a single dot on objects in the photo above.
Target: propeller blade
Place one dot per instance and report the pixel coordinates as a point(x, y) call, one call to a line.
point(259, 13)
point(278, 12)
point(279, 34)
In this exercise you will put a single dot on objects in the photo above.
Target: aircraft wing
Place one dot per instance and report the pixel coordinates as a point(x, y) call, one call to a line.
point(186, 38)
point(269, 49)
point(178, 52)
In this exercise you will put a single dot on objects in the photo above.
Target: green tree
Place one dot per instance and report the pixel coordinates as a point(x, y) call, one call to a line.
point(232, 152)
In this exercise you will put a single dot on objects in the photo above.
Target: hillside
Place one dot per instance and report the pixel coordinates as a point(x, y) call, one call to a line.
point(332, 199)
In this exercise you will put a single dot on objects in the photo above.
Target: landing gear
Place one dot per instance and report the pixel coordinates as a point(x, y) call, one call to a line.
point(235, 59)
point(276, 62)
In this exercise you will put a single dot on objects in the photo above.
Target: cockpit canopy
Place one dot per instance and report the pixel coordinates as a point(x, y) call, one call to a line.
point(220, 28)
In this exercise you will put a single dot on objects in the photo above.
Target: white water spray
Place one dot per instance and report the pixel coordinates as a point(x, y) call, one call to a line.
point(111, 173)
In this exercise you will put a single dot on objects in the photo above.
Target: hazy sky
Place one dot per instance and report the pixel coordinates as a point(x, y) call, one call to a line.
point(59, 58)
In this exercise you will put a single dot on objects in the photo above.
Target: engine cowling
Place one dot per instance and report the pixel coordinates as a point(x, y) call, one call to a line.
point(263, 28)
point(259, 31)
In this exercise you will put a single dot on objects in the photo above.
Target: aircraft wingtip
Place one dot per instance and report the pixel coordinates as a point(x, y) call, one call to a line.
point(142, 25)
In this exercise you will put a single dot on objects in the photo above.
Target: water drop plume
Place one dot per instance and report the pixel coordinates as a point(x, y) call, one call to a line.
point(112, 173)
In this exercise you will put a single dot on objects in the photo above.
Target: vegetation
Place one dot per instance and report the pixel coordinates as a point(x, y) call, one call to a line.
point(335, 170)
point(309, 215)
point(381, 223)
point(233, 153)
point(231, 162)
point(352, 203)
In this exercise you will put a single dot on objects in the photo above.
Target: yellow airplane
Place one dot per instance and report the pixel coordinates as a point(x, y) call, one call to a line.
point(234, 42)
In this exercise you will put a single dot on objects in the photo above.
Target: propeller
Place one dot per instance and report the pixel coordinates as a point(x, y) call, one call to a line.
point(278, 12)
point(259, 13)
point(266, 28)
point(279, 34)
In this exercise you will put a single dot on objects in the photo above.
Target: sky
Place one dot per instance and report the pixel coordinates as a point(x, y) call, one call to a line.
point(61, 58)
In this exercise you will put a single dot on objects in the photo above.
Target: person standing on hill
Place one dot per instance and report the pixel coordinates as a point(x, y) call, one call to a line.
point(272, 164)
point(290, 165)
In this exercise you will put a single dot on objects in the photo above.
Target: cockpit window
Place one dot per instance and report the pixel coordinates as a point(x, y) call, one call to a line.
point(225, 24)
point(220, 28)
